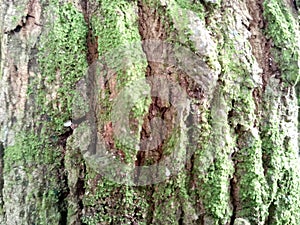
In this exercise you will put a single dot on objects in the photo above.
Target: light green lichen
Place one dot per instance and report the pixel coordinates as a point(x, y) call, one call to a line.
point(128, 204)
point(29, 149)
point(233, 137)
point(280, 158)
point(215, 178)
point(252, 182)
point(169, 197)
point(195, 6)
point(115, 24)
point(61, 59)
point(283, 28)
point(279, 154)
point(180, 21)
point(120, 49)
point(62, 62)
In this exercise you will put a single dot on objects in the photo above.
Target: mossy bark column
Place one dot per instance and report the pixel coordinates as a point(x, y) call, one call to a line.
point(19, 33)
point(37, 69)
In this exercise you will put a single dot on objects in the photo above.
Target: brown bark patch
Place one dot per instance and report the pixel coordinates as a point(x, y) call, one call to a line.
point(260, 44)
point(152, 28)
point(91, 39)
point(150, 22)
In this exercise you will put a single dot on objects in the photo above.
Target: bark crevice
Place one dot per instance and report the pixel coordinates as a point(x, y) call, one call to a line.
point(234, 181)
point(261, 45)
point(152, 28)
point(1, 173)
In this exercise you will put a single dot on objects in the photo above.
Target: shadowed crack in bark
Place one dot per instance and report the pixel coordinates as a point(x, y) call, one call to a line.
point(91, 39)
point(27, 21)
point(151, 28)
point(234, 196)
point(20, 25)
point(234, 188)
point(63, 194)
point(1, 173)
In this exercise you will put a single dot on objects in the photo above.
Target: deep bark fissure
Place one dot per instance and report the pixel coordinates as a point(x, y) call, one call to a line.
point(80, 189)
point(151, 28)
point(20, 25)
point(62, 203)
point(260, 44)
point(234, 195)
point(151, 207)
point(234, 187)
point(1, 173)
point(26, 20)
point(91, 39)
point(63, 177)
point(271, 211)
point(165, 202)
point(65, 191)
point(91, 57)
point(181, 217)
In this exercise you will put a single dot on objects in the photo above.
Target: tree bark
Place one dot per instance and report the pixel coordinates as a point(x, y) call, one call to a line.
point(183, 112)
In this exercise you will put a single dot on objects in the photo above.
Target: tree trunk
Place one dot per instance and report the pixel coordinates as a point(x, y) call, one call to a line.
point(183, 112)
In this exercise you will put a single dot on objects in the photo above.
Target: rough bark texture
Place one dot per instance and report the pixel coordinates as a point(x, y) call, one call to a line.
point(212, 97)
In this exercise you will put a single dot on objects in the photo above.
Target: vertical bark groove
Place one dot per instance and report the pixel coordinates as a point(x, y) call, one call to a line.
point(151, 28)
point(1, 174)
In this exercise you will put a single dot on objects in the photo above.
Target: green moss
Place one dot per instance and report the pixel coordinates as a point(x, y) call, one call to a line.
point(113, 203)
point(171, 143)
point(252, 184)
point(61, 58)
point(170, 199)
point(215, 190)
point(48, 213)
point(285, 206)
point(62, 63)
point(280, 159)
point(31, 149)
point(234, 72)
point(115, 25)
point(234, 144)
point(40, 197)
point(196, 7)
point(283, 29)
point(177, 16)
point(215, 174)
